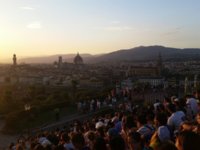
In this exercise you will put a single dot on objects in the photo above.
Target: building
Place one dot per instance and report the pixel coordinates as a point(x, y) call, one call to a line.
point(78, 59)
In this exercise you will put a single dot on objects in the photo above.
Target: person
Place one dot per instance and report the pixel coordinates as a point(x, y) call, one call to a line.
point(197, 127)
point(176, 117)
point(144, 129)
point(79, 142)
point(163, 130)
point(65, 141)
point(57, 113)
point(135, 141)
point(187, 126)
point(188, 140)
point(99, 144)
point(162, 133)
point(117, 143)
point(192, 104)
point(167, 145)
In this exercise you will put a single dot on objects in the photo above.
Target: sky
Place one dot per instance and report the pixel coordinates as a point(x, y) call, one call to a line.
point(47, 27)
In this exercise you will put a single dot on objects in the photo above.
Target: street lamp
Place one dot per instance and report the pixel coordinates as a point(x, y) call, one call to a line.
point(27, 108)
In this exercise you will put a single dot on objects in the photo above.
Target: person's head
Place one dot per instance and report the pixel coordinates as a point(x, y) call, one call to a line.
point(160, 119)
point(187, 140)
point(19, 147)
point(117, 143)
point(11, 146)
point(150, 118)
point(187, 126)
point(38, 147)
point(134, 140)
point(99, 144)
point(198, 118)
point(65, 138)
point(167, 145)
point(112, 132)
point(78, 141)
point(128, 122)
point(166, 100)
point(171, 108)
point(141, 120)
point(91, 136)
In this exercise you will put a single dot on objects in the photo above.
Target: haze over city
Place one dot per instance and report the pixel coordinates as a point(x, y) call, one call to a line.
point(47, 27)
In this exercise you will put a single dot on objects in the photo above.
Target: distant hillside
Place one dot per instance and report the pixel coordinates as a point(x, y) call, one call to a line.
point(50, 59)
point(134, 54)
point(150, 53)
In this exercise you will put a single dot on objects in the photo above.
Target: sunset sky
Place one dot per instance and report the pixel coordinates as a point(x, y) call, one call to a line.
point(46, 27)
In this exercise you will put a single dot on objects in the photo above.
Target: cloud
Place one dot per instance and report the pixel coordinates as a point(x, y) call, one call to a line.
point(27, 8)
point(173, 31)
point(115, 28)
point(34, 25)
point(115, 22)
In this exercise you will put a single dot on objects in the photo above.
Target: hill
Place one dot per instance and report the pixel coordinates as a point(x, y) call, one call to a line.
point(151, 53)
point(50, 59)
point(141, 53)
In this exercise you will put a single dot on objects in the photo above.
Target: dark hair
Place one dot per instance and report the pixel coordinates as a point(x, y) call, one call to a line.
point(161, 118)
point(78, 140)
point(99, 144)
point(117, 143)
point(142, 119)
point(167, 145)
point(130, 122)
point(38, 147)
point(167, 99)
point(171, 108)
point(65, 137)
point(135, 136)
point(189, 140)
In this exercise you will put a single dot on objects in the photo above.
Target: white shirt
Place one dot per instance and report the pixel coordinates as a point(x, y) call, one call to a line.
point(163, 133)
point(175, 120)
point(193, 105)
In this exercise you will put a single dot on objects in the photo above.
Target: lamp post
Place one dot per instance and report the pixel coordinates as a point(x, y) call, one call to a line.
point(186, 86)
point(27, 108)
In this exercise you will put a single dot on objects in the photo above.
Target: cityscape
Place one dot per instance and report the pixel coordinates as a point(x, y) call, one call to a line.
point(99, 75)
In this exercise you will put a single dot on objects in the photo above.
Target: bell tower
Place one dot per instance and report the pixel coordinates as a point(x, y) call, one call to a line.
point(14, 60)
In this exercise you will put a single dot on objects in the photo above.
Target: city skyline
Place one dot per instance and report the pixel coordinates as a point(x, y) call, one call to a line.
point(39, 28)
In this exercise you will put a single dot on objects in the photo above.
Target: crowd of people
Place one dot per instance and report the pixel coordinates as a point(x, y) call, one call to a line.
point(168, 124)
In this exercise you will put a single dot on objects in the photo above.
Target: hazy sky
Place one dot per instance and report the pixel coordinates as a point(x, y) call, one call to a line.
point(45, 27)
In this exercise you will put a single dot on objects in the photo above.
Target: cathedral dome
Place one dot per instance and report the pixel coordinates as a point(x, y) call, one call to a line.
point(78, 59)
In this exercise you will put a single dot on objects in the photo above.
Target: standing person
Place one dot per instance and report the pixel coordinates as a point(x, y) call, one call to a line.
point(57, 113)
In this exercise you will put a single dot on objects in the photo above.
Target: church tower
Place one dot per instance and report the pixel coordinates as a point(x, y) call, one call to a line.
point(159, 64)
point(60, 62)
point(14, 60)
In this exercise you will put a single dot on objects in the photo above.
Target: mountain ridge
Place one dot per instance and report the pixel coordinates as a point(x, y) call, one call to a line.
point(141, 53)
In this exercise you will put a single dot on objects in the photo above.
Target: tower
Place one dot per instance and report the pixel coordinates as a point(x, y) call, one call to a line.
point(60, 61)
point(159, 63)
point(14, 60)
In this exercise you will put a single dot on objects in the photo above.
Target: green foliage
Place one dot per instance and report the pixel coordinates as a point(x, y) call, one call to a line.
point(43, 100)
point(20, 120)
